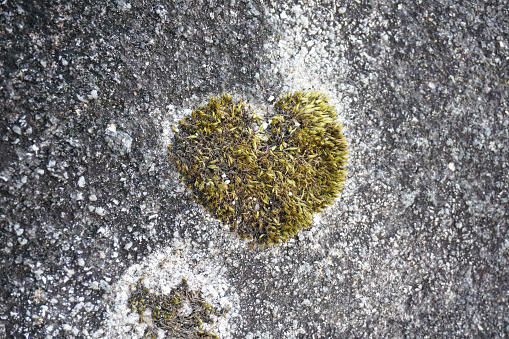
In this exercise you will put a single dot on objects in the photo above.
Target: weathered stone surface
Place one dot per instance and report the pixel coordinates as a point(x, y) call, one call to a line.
point(416, 245)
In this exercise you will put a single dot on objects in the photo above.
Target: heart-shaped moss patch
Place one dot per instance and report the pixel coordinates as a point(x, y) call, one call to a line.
point(265, 178)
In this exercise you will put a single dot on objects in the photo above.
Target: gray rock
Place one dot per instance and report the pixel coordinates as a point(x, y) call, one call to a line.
point(118, 141)
point(413, 247)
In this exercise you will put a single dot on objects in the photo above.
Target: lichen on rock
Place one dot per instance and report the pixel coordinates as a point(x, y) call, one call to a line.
point(265, 178)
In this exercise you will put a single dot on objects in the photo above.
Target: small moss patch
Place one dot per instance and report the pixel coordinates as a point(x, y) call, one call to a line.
point(180, 314)
point(265, 178)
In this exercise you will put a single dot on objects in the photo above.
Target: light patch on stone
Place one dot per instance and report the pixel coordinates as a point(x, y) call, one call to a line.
point(164, 270)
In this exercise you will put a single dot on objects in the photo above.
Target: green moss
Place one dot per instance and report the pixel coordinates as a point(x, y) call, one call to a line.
point(265, 183)
point(167, 314)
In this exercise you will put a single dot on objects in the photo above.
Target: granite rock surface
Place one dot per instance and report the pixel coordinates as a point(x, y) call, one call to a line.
point(416, 245)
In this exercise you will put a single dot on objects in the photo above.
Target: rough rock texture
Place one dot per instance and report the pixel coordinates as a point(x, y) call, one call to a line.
point(416, 245)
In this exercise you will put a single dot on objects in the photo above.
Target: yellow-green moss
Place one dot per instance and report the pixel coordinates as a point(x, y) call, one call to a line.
point(167, 314)
point(265, 183)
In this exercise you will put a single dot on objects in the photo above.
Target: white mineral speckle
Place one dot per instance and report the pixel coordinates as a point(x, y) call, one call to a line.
point(100, 211)
point(93, 94)
point(111, 130)
point(81, 181)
